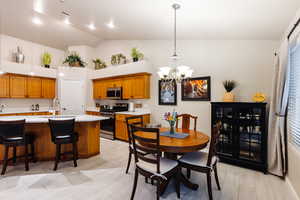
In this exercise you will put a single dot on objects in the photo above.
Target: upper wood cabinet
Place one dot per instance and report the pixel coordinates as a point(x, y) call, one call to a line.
point(4, 86)
point(34, 87)
point(48, 88)
point(99, 89)
point(18, 86)
point(134, 86)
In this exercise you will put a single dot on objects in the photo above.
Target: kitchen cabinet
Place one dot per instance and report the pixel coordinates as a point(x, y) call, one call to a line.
point(121, 127)
point(34, 87)
point(26, 114)
point(99, 89)
point(18, 86)
point(92, 113)
point(4, 86)
point(48, 88)
point(134, 86)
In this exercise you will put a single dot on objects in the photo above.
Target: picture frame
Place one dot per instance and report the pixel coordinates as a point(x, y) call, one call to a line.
point(196, 89)
point(167, 92)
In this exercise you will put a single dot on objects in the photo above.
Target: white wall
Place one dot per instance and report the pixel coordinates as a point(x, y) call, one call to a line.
point(33, 53)
point(250, 63)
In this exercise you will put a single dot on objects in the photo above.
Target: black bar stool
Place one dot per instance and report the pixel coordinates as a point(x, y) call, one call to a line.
point(62, 132)
point(12, 134)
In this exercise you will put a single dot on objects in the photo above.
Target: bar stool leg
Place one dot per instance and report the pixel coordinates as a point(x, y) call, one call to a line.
point(32, 152)
point(14, 155)
point(75, 154)
point(26, 158)
point(5, 160)
point(57, 156)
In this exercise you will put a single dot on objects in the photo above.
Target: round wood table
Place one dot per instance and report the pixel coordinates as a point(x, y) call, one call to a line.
point(194, 142)
point(174, 146)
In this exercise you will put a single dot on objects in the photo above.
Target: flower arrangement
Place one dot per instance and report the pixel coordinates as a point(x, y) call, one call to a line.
point(74, 60)
point(171, 118)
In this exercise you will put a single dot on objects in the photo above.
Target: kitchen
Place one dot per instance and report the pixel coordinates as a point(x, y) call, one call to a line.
point(148, 99)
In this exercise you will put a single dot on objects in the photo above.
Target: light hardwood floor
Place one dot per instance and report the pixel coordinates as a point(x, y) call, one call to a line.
point(103, 178)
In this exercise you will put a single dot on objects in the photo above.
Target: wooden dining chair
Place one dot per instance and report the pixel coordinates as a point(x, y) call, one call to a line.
point(186, 119)
point(148, 160)
point(204, 162)
point(137, 121)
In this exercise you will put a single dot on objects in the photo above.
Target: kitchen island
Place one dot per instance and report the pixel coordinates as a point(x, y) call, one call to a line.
point(87, 127)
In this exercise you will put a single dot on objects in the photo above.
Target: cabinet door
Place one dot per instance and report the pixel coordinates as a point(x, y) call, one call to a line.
point(48, 88)
point(127, 85)
point(18, 86)
point(138, 87)
point(4, 86)
point(121, 130)
point(99, 90)
point(34, 87)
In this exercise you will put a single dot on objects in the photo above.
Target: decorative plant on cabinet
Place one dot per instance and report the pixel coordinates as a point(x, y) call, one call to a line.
point(99, 64)
point(229, 85)
point(136, 55)
point(118, 59)
point(46, 59)
point(74, 60)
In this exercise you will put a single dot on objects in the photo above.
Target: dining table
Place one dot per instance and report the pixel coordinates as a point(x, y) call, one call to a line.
point(173, 147)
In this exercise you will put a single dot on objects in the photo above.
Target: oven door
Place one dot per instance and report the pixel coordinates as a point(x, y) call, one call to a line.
point(107, 127)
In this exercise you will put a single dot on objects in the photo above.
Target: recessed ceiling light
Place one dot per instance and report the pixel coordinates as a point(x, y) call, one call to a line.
point(38, 6)
point(37, 21)
point(67, 21)
point(110, 25)
point(92, 26)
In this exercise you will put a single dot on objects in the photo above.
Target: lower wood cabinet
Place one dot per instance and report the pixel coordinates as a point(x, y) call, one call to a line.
point(26, 114)
point(92, 113)
point(121, 127)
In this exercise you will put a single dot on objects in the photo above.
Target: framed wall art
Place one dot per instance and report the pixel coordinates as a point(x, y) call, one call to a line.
point(167, 93)
point(196, 89)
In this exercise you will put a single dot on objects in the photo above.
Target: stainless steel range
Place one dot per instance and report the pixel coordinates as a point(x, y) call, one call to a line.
point(107, 127)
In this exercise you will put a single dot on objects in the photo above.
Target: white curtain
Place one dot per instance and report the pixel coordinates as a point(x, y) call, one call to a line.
point(277, 161)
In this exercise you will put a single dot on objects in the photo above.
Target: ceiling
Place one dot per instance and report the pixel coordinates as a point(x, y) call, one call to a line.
point(145, 19)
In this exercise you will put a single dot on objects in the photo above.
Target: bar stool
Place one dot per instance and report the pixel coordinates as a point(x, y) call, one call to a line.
point(12, 134)
point(62, 132)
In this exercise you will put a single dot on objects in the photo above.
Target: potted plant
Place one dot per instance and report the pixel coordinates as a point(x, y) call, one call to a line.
point(136, 55)
point(99, 64)
point(118, 59)
point(229, 85)
point(46, 60)
point(74, 60)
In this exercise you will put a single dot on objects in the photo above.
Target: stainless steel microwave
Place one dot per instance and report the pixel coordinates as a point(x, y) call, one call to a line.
point(114, 93)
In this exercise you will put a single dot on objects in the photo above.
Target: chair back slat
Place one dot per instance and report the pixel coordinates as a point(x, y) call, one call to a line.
point(214, 142)
point(61, 127)
point(9, 129)
point(136, 121)
point(144, 146)
point(186, 121)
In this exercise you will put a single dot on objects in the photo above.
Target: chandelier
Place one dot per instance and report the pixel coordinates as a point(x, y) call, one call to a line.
point(175, 72)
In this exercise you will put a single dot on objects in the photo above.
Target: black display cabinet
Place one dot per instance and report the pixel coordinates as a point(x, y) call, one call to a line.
point(243, 135)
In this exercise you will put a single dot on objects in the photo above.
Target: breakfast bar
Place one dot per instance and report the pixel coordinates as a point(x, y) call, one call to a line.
point(87, 127)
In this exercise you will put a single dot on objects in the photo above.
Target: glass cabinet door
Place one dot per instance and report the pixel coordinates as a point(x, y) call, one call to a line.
point(250, 125)
point(225, 115)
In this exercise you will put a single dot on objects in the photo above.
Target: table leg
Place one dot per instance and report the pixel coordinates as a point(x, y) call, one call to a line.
point(188, 183)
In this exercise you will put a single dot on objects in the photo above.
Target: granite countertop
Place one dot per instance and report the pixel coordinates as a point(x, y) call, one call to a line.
point(136, 112)
point(44, 118)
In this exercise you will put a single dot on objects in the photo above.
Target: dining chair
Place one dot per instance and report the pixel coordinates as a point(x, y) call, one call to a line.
point(12, 134)
point(62, 132)
point(137, 121)
point(186, 119)
point(204, 162)
point(148, 160)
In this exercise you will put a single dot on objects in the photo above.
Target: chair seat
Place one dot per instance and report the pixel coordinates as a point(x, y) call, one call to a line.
point(198, 158)
point(17, 139)
point(63, 139)
point(166, 165)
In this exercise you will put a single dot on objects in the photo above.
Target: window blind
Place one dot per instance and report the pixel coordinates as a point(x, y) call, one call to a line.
point(294, 97)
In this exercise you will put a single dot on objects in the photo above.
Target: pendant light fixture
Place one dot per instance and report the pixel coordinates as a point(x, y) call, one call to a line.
point(175, 72)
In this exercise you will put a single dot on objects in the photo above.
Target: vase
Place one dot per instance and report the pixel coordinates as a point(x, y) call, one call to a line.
point(135, 59)
point(228, 97)
point(172, 127)
point(74, 64)
point(47, 66)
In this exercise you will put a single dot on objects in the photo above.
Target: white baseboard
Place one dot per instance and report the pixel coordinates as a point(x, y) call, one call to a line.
point(292, 188)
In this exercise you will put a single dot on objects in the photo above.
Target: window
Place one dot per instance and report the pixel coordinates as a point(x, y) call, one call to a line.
point(294, 98)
